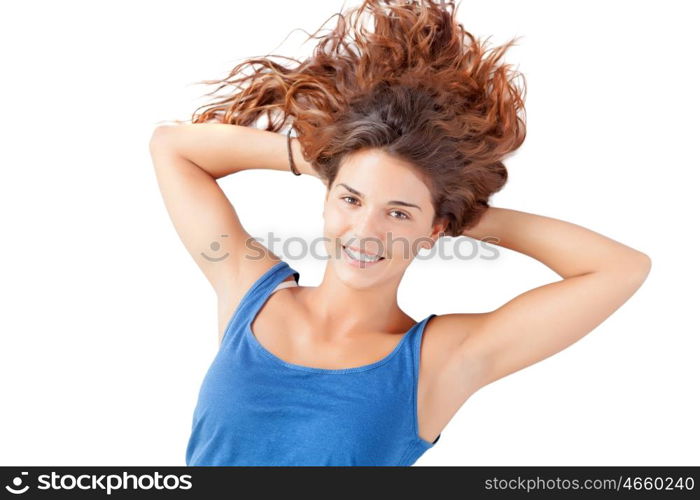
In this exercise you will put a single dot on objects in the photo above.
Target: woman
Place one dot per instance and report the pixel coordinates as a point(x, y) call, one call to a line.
point(407, 126)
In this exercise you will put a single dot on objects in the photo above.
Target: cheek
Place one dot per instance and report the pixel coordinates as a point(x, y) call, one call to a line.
point(402, 246)
point(406, 243)
point(334, 220)
point(333, 227)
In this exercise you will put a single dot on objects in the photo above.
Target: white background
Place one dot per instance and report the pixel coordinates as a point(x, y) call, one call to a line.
point(108, 327)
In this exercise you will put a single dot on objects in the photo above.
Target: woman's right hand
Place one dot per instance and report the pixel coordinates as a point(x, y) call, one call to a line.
point(302, 165)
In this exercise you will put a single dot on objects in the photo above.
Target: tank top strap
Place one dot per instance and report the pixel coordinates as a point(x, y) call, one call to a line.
point(415, 341)
point(257, 294)
point(267, 283)
point(285, 284)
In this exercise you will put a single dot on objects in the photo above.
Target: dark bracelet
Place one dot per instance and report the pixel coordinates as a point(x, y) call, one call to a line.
point(289, 150)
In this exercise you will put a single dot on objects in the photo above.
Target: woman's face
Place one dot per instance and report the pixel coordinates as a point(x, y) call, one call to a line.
point(381, 207)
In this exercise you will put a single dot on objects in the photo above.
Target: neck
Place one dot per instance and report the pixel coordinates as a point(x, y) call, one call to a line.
point(344, 311)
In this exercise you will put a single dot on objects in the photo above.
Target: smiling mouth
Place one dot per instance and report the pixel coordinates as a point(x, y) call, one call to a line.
point(360, 257)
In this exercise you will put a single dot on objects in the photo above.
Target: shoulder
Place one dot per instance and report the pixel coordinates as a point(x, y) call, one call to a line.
point(239, 284)
point(456, 328)
point(247, 274)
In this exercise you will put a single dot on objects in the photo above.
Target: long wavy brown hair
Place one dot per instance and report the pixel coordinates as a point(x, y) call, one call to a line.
point(417, 86)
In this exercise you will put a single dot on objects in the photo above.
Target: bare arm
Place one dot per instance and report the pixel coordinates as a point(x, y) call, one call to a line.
point(566, 248)
point(222, 149)
point(188, 160)
point(600, 275)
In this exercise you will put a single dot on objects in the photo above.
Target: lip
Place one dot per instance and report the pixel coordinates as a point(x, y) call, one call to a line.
point(357, 263)
point(362, 251)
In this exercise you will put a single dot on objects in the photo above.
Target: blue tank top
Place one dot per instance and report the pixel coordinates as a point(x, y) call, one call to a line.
point(255, 409)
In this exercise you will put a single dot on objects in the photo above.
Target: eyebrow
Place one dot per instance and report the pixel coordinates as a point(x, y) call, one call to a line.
point(392, 202)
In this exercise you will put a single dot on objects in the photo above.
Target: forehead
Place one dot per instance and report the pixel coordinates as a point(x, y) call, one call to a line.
point(372, 171)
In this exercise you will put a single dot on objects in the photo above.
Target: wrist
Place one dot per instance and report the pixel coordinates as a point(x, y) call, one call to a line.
point(303, 166)
point(486, 227)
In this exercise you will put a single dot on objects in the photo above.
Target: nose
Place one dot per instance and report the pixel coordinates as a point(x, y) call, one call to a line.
point(367, 234)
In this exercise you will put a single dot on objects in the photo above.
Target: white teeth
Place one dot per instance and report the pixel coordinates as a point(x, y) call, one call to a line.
point(361, 256)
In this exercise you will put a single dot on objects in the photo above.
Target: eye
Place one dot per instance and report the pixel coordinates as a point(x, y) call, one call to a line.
point(401, 216)
point(350, 198)
point(353, 201)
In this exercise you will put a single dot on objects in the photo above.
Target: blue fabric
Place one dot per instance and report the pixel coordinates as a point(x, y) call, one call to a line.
point(254, 409)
